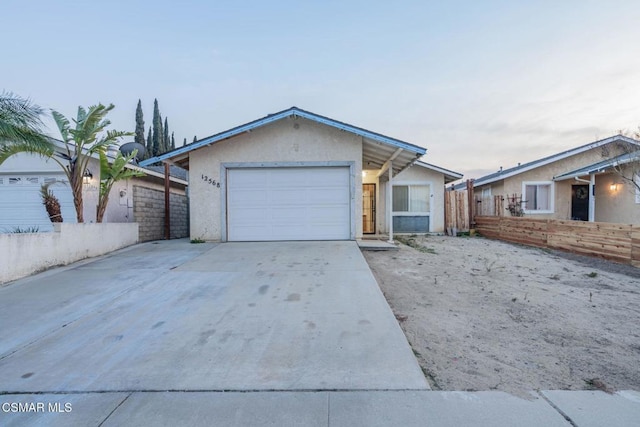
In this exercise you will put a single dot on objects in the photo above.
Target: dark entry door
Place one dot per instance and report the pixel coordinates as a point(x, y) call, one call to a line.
point(580, 202)
point(369, 208)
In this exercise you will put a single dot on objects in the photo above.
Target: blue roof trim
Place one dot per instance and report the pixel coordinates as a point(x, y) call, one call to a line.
point(293, 111)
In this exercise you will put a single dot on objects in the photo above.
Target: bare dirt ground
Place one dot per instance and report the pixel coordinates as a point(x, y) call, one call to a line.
point(487, 315)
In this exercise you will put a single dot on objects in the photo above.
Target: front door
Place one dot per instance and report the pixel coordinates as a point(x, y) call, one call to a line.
point(580, 202)
point(369, 208)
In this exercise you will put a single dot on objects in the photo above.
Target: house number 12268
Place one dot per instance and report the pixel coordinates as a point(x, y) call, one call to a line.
point(211, 181)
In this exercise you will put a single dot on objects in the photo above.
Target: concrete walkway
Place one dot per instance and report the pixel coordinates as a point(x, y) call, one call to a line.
point(297, 333)
point(323, 408)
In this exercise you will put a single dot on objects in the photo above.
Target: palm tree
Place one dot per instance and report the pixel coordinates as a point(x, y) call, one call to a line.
point(89, 137)
point(110, 173)
point(82, 142)
point(20, 123)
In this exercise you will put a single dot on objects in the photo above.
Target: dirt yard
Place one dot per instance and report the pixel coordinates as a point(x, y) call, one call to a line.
point(487, 315)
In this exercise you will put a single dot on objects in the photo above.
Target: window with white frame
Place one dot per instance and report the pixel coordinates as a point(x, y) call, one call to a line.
point(636, 180)
point(537, 197)
point(411, 198)
point(486, 193)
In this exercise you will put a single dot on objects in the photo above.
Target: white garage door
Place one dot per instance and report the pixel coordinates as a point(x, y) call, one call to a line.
point(310, 203)
point(21, 205)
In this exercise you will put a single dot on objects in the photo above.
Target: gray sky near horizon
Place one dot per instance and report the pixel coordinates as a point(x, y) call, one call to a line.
point(480, 84)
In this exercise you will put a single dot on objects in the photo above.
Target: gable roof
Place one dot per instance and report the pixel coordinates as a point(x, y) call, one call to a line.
point(410, 152)
point(601, 166)
point(449, 175)
point(506, 173)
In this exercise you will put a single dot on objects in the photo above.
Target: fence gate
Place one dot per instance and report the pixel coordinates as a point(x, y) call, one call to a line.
point(459, 210)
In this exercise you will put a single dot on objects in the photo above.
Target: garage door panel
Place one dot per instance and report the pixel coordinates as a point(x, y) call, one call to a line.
point(289, 204)
point(288, 196)
point(250, 178)
point(327, 214)
point(328, 195)
point(248, 198)
point(21, 204)
point(247, 216)
point(333, 180)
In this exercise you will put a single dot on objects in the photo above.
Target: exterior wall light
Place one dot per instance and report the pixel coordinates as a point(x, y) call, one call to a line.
point(87, 176)
point(613, 187)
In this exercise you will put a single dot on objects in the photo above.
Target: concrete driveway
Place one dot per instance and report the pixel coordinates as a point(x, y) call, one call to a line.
point(175, 316)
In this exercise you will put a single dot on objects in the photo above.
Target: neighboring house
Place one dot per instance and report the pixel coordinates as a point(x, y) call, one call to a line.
point(139, 199)
point(578, 184)
point(296, 175)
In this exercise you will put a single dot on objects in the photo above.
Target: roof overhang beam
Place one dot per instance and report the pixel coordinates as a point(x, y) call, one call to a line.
point(388, 163)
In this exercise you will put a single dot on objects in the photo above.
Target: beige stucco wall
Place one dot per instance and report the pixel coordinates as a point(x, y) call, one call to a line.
point(287, 140)
point(415, 174)
point(617, 206)
point(418, 174)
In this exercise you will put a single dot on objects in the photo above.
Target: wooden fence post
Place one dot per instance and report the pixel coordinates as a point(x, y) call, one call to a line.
point(471, 200)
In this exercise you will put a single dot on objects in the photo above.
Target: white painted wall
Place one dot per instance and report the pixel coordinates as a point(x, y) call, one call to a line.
point(287, 140)
point(25, 254)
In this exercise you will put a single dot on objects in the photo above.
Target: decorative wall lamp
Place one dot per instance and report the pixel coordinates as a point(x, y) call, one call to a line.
point(87, 176)
point(613, 187)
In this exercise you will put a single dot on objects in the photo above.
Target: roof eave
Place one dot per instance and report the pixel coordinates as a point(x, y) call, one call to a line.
point(554, 158)
point(293, 111)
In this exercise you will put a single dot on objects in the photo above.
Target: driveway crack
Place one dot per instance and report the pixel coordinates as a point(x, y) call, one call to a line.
point(560, 411)
point(115, 409)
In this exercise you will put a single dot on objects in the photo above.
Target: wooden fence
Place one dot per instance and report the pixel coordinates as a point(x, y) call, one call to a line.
point(615, 242)
point(490, 206)
point(459, 209)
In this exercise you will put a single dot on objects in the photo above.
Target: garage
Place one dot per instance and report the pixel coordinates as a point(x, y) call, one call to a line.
point(288, 203)
point(21, 204)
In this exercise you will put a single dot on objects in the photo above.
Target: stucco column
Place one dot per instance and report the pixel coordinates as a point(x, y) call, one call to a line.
point(592, 198)
point(390, 202)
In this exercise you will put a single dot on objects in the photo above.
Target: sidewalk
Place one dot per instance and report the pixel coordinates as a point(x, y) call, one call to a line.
point(337, 408)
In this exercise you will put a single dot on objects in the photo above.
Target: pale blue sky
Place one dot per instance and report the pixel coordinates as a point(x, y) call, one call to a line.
point(480, 84)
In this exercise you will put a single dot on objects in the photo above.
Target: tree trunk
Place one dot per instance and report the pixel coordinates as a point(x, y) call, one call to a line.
point(76, 189)
point(102, 207)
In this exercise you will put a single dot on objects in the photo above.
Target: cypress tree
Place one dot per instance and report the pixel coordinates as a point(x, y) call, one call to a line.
point(149, 148)
point(166, 141)
point(173, 142)
point(157, 129)
point(139, 138)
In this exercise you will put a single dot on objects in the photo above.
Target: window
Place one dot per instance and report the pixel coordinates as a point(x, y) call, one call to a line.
point(636, 181)
point(411, 198)
point(486, 193)
point(538, 197)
